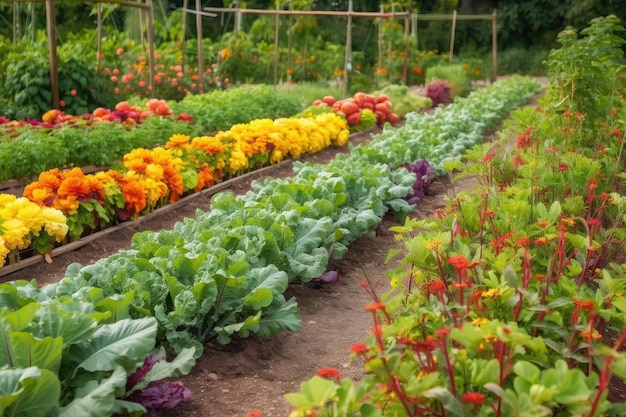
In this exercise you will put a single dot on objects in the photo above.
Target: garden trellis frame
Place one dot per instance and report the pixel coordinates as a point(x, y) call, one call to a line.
point(142, 5)
point(408, 17)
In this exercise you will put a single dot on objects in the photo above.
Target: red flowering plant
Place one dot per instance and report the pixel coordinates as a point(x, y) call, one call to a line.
point(510, 300)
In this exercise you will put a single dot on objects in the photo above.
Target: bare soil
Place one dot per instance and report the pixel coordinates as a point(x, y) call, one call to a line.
point(253, 374)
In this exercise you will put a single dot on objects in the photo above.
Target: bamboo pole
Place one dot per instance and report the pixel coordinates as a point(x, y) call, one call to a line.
point(52, 53)
point(380, 43)
point(453, 32)
point(347, 65)
point(494, 47)
point(276, 46)
point(151, 61)
point(405, 63)
point(183, 34)
point(300, 12)
point(99, 36)
point(199, 37)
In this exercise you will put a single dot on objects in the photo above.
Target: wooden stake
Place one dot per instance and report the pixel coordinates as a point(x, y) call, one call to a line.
point(199, 37)
point(494, 47)
point(52, 53)
point(151, 46)
point(276, 46)
point(452, 36)
point(347, 65)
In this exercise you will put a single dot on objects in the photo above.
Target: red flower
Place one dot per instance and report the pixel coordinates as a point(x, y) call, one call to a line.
point(475, 398)
point(359, 349)
point(330, 373)
point(436, 287)
point(458, 261)
point(375, 306)
point(255, 413)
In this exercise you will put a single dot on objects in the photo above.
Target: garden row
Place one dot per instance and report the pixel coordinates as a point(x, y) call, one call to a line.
point(101, 138)
point(64, 205)
point(510, 300)
point(71, 346)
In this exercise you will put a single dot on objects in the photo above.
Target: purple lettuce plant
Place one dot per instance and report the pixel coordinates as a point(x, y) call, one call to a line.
point(440, 92)
point(425, 175)
point(155, 395)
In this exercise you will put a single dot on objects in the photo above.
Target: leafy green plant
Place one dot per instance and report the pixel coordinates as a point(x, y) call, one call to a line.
point(403, 100)
point(70, 353)
point(454, 74)
point(510, 301)
point(578, 86)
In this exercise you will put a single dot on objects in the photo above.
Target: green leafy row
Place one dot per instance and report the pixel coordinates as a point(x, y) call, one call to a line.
point(445, 134)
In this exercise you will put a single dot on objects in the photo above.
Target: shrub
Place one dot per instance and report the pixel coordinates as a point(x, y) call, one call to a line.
point(439, 92)
point(455, 75)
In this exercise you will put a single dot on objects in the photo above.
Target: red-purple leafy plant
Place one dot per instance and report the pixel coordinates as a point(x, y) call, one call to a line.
point(439, 92)
point(425, 175)
point(146, 385)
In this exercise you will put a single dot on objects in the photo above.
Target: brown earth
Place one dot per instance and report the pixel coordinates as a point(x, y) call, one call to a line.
point(254, 374)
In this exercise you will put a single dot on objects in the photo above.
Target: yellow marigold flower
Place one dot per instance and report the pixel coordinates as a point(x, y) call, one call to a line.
point(479, 320)
point(4, 251)
point(491, 293)
point(6, 199)
point(55, 223)
point(155, 172)
point(568, 221)
point(177, 141)
point(16, 234)
point(31, 215)
point(433, 244)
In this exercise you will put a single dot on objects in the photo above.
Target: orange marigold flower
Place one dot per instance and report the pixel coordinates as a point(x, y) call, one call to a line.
point(255, 413)
point(586, 305)
point(590, 336)
point(74, 186)
point(134, 197)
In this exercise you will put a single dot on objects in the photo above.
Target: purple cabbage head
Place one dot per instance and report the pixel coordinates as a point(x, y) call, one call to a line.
point(156, 394)
point(424, 176)
point(161, 395)
point(439, 92)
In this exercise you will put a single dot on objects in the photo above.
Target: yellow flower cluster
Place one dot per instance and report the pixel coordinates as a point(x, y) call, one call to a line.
point(21, 221)
point(159, 170)
point(280, 138)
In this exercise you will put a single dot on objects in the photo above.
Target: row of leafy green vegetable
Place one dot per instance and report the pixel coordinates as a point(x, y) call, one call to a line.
point(36, 150)
point(219, 275)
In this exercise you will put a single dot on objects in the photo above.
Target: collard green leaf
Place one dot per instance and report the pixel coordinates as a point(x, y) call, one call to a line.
point(28, 392)
point(284, 316)
point(22, 350)
point(126, 343)
point(97, 399)
point(72, 327)
point(307, 266)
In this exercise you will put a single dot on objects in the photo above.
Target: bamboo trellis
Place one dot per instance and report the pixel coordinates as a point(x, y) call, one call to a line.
point(144, 5)
point(410, 20)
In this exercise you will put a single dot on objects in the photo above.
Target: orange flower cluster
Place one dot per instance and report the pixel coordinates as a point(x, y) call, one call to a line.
point(64, 190)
